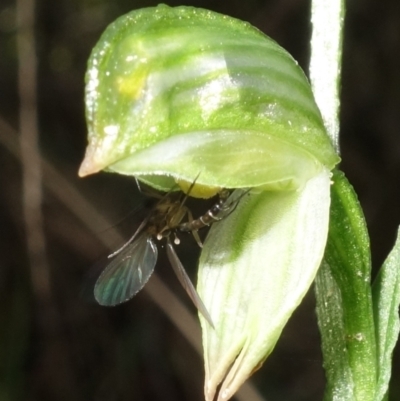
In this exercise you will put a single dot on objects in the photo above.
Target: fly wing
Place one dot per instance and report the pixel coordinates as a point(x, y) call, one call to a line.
point(185, 281)
point(127, 273)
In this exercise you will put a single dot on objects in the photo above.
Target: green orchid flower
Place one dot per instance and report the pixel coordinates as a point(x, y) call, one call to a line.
point(183, 95)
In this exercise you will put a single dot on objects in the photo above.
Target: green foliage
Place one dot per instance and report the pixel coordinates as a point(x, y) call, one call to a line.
point(344, 300)
point(359, 326)
point(386, 301)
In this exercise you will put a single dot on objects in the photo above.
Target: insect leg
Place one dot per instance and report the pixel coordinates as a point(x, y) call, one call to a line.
point(194, 232)
point(140, 228)
point(185, 281)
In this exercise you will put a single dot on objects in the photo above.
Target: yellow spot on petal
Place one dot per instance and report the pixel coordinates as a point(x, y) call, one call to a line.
point(133, 84)
point(198, 190)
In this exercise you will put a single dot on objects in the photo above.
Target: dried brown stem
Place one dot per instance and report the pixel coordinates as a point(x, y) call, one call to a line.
point(30, 158)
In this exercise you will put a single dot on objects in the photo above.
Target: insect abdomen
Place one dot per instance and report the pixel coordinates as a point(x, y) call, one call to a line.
point(217, 212)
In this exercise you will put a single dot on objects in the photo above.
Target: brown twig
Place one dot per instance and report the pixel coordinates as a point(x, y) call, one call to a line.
point(30, 158)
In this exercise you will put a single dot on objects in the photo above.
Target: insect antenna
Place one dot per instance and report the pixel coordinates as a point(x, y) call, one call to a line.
point(190, 190)
point(148, 191)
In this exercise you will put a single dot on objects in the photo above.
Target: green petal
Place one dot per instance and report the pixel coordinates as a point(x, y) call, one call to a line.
point(179, 91)
point(260, 160)
point(255, 268)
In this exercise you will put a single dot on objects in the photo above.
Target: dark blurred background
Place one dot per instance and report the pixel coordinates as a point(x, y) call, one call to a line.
point(55, 342)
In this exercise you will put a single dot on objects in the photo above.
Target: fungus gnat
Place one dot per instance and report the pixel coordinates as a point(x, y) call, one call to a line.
point(133, 264)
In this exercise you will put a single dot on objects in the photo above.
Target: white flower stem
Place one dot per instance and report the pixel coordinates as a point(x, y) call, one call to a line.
point(325, 64)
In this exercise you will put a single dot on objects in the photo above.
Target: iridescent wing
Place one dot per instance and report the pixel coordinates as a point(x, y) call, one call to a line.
point(185, 281)
point(127, 273)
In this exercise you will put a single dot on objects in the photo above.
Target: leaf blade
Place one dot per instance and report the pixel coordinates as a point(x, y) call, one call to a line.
point(345, 314)
point(386, 297)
